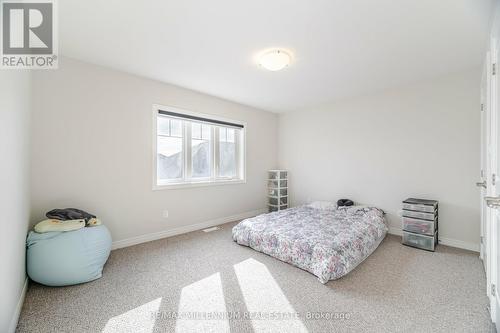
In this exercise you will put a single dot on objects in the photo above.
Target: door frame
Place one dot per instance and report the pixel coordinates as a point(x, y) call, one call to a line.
point(489, 256)
point(491, 139)
point(483, 252)
point(494, 154)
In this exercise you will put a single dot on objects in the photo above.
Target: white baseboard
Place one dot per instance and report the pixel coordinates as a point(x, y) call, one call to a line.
point(460, 244)
point(19, 306)
point(395, 231)
point(184, 229)
point(445, 241)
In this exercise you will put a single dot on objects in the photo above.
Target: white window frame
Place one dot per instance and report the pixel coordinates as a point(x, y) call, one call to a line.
point(214, 180)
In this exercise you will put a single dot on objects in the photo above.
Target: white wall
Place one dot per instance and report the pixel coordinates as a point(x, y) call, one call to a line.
point(421, 140)
point(92, 149)
point(15, 96)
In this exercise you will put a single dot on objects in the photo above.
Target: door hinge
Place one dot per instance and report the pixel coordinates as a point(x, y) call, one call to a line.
point(493, 69)
point(493, 289)
point(482, 107)
point(493, 179)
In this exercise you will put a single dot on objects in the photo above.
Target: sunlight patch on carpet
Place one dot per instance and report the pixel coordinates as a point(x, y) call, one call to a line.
point(140, 319)
point(202, 307)
point(269, 309)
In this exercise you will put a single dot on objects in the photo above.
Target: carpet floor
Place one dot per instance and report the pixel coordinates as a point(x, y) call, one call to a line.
point(204, 282)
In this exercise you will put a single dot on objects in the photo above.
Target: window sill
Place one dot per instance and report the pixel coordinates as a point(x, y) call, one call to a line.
point(173, 186)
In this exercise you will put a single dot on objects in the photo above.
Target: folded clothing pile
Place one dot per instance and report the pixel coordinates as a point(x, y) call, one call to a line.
point(67, 219)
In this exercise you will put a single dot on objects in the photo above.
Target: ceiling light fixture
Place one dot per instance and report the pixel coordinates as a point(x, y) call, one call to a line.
point(275, 60)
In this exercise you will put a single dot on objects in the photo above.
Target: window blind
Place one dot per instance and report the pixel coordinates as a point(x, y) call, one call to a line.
point(201, 119)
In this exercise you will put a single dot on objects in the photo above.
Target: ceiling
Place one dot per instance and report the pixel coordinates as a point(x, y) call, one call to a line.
point(341, 48)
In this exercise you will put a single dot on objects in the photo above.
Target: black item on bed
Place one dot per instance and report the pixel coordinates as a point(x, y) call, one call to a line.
point(345, 202)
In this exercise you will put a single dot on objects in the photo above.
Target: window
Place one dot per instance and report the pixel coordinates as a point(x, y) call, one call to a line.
point(194, 149)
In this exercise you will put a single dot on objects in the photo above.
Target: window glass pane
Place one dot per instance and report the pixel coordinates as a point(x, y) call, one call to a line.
point(163, 125)
point(205, 131)
point(176, 128)
point(196, 130)
point(223, 134)
point(200, 151)
point(227, 152)
point(230, 134)
point(169, 149)
point(169, 158)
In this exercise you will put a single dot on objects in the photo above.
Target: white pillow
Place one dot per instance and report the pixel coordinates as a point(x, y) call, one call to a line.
point(323, 205)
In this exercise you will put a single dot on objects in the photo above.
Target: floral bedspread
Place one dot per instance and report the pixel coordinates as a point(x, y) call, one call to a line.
point(328, 243)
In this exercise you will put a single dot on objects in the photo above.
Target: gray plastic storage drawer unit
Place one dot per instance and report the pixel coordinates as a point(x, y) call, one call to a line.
point(420, 223)
point(419, 226)
point(420, 241)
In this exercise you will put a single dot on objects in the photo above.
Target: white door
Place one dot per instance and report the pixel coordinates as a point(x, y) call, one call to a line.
point(495, 225)
point(490, 164)
point(483, 183)
point(492, 171)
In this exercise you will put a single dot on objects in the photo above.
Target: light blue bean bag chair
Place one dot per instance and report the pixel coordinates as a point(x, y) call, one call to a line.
point(66, 258)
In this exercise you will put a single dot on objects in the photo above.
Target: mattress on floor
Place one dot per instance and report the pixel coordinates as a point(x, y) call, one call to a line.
point(328, 243)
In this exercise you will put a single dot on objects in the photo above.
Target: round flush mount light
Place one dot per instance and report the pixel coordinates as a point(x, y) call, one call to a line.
point(275, 60)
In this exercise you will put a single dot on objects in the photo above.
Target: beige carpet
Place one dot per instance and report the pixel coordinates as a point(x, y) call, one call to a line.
point(204, 282)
